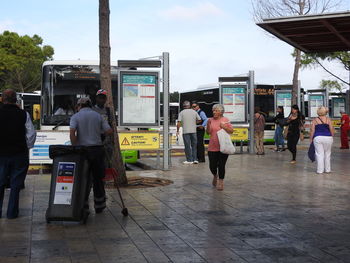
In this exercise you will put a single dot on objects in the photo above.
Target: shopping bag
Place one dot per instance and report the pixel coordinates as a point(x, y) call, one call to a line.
point(226, 145)
point(311, 152)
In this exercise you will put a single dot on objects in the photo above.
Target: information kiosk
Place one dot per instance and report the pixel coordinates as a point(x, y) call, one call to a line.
point(239, 109)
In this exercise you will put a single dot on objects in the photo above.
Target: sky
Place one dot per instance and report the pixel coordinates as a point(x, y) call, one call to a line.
point(205, 39)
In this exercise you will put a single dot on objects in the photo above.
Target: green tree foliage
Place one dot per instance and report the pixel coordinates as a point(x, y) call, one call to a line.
point(173, 97)
point(316, 59)
point(21, 58)
point(331, 85)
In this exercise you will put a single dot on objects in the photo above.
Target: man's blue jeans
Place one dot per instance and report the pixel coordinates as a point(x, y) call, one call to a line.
point(190, 141)
point(15, 167)
point(279, 140)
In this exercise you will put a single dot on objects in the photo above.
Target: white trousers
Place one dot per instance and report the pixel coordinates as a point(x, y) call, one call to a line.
point(323, 147)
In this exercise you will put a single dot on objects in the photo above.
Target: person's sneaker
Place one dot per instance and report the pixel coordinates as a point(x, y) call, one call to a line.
point(187, 162)
point(293, 162)
point(195, 162)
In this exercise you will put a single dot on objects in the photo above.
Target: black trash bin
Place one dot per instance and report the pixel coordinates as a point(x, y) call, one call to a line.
point(70, 180)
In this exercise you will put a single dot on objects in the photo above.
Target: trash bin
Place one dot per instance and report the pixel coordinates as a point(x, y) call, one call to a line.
point(70, 180)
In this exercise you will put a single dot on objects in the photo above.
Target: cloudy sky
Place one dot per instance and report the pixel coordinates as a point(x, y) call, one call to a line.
point(205, 39)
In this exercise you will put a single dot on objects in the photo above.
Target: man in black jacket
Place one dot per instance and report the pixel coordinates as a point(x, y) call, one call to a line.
point(17, 137)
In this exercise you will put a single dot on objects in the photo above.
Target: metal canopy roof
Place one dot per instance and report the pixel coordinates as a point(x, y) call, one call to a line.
point(312, 33)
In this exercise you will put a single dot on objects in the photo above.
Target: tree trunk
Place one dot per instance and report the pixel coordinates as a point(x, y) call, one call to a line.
point(105, 78)
point(296, 77)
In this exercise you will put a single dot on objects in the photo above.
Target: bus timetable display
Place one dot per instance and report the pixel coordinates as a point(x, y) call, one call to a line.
point(315, 101)
point(234, 100)
point(338, 106)
point(138, 99)
point(284, 99)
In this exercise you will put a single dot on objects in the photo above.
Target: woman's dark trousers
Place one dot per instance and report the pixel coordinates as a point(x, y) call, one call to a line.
point(292, 144)
point(14, 167)
point(217, 162)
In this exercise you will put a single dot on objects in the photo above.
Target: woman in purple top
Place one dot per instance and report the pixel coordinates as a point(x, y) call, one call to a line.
point(321, 134)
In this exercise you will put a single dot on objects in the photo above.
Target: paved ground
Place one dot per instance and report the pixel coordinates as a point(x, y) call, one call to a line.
point(270, 211)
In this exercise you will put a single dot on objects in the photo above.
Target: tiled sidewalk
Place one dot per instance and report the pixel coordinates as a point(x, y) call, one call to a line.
point(270, 211)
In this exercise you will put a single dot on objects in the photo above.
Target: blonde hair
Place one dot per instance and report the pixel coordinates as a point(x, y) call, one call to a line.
point(322, 111)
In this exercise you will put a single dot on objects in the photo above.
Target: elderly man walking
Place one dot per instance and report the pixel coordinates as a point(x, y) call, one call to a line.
point(188, 119)
point(18, 136)
point(86, 127)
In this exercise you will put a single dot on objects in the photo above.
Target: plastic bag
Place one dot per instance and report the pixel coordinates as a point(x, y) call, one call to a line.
point(225, 142)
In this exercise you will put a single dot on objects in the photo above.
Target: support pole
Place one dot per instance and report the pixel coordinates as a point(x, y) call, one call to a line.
point(299, 95)
point(251, 112)
point(166, 145)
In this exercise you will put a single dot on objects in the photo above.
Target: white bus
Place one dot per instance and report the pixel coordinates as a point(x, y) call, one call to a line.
point(63, 83)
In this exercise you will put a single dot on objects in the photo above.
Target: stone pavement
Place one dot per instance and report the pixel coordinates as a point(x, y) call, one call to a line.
point(270, 211)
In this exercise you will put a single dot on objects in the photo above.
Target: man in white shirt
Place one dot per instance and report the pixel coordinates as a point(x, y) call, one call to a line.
point(188, 119)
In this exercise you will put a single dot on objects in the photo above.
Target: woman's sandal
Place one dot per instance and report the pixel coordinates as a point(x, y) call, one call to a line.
point(220, 185)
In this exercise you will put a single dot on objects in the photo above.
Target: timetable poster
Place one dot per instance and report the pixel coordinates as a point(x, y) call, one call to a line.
point(315, 101)
point(234, 101)
point(338, 106)
point(139, 99)
point(284, 99)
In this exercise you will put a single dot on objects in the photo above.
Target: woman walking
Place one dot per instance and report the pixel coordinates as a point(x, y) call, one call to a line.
point(217, 160)
point(279, 140)
point(322, 132)
point(294, 127)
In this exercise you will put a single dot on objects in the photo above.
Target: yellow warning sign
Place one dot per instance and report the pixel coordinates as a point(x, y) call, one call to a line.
point(139, 141)
point(240, 134)
point(336, 123)
point(125, 142)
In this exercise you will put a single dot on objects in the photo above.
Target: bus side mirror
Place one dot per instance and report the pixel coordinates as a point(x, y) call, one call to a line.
point(36, 112)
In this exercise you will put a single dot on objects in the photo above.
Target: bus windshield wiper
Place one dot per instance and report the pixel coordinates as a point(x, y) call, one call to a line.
point(60, 123)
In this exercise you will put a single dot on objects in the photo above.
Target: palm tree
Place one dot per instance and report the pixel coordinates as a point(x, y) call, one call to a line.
point(105, 78)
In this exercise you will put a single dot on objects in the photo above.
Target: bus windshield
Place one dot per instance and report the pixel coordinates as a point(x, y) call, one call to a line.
point(63, 85)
